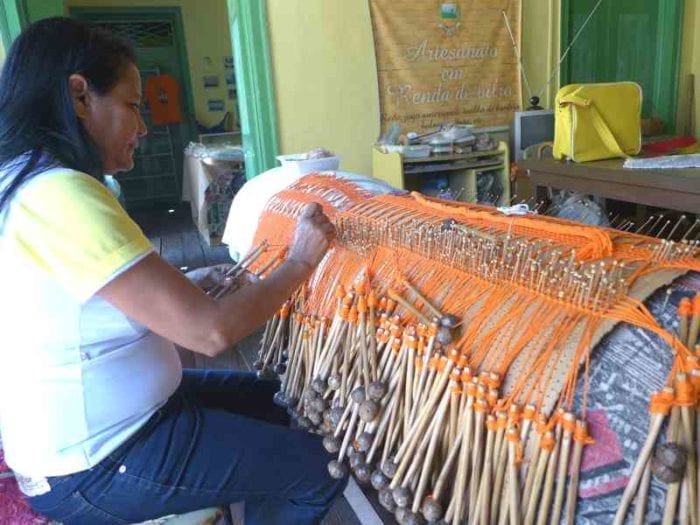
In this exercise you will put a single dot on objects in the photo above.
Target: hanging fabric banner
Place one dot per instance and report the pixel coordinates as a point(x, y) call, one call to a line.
point(440, 62)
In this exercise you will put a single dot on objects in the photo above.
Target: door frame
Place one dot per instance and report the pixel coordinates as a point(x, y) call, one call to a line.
point(254, 83)
point(668, 41)
point(13, 19)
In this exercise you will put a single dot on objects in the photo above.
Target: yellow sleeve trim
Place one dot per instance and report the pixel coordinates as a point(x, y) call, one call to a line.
point(72, 227)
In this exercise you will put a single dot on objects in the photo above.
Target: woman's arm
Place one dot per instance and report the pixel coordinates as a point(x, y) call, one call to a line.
point(157, 295)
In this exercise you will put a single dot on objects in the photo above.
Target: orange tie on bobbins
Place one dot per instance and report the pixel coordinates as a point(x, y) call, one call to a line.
point(659, 407)
point(685, 312)
point(694, 328)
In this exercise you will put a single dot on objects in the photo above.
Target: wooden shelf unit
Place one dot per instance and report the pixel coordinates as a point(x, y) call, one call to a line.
point(461, 170)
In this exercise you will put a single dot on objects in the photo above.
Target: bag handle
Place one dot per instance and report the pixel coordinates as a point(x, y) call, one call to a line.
point(604, 132)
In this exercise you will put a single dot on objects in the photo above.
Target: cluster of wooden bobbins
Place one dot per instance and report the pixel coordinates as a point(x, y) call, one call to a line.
point(458, 419)
point(675, 461)
point(402, 408)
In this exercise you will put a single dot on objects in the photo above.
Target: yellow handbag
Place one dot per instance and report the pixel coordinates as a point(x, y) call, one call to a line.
point(597, 121)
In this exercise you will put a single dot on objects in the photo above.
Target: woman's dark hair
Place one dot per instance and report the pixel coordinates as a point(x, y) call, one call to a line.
point(38, 124)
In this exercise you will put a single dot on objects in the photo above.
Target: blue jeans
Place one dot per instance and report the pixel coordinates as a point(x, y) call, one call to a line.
point(218, 440)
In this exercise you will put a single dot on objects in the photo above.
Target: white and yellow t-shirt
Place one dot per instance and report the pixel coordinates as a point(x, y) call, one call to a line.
point(77, 377)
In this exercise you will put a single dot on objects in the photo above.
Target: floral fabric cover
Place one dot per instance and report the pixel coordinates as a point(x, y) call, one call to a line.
point(14, 509)
point(626, 367)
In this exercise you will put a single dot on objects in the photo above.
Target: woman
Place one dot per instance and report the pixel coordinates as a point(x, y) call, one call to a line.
point(97, 418)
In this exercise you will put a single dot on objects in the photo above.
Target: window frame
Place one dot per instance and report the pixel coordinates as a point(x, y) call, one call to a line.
point(13, 19)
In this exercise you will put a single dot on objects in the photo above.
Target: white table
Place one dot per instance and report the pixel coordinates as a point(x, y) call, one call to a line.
point(198, 176)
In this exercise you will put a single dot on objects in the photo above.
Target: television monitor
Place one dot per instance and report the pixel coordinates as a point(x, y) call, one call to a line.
point(529, 128)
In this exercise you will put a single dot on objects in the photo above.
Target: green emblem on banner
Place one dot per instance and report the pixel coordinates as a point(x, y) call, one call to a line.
point(449, 14)
point(449, 11)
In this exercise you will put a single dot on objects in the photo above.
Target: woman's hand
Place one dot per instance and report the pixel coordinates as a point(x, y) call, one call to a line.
point(313, 236)
point(160, 297)
point(211, 277)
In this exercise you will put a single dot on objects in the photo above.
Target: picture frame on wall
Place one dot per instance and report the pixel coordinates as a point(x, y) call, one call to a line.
point(210, 81)
point(215, 105)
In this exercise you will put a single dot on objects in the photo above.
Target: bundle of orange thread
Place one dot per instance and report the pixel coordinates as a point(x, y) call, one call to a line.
point(438, 349)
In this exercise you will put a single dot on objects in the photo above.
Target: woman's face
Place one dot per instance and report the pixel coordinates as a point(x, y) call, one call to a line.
point(114, 122)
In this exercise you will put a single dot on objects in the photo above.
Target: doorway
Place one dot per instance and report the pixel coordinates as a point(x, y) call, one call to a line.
point(253, 65)
point(157, 35)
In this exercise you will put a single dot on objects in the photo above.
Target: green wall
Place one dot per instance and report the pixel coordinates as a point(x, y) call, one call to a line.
point(13, 17)
point(38, 9)
point(207, 37)
point(208, 40)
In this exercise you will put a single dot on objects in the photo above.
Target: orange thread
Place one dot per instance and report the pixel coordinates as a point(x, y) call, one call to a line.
point(466, 375)
point(513, 437)
point(492, 397)
point(568, 424)
point(491, 335)
point(548, 442)
point(592, 243)
point(685, 307)
point(529, 413)
point(501, 420)
point(685, 394)
point(581, 435)
point(481, 405)
point(661, 402)
point(696, 304)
